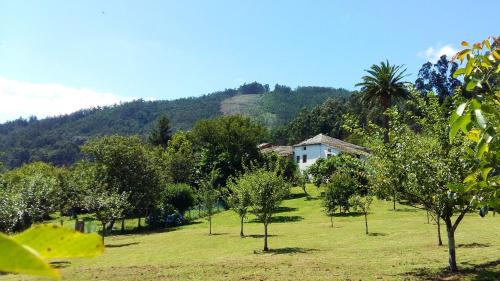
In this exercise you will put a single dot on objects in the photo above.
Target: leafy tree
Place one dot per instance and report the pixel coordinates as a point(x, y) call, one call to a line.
point(266, 193)
point(226, 143)
point(323, 169)
point(161, 133)
point(362, 203)
point(106, 205)
point(180, 159)
point(339, 189)
point(330, 201)
point(126, 166)
point(239, 197)
point(437, 78)
point(478, 117)
point(381, 86)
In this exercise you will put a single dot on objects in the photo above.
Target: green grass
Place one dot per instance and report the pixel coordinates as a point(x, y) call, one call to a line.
point(402, 246)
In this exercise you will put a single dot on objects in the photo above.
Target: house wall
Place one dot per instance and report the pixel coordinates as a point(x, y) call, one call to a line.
point(313, 152)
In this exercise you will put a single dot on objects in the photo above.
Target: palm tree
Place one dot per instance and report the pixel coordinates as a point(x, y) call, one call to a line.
point(381, 85)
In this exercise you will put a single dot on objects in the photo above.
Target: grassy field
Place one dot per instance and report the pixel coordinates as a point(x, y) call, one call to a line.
point(401, 246)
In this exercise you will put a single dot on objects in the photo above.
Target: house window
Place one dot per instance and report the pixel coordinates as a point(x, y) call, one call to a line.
point(329, 150)
point(298, 159)
point(304, 148)
point(304, 158)
point(328, 155)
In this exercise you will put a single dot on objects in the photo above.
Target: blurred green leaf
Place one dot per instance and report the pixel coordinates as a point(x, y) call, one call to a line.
point(16, 258)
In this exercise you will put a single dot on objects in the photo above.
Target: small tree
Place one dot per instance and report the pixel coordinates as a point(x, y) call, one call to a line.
point(107, 206)
point(363, 204)
point(239, 198)
point(330, 202)
point(161, 133)
point(208, 196)
point(180, 196)
point(266, 193)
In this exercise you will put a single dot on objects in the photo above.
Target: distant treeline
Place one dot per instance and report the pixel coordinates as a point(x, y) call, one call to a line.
point(57, 139)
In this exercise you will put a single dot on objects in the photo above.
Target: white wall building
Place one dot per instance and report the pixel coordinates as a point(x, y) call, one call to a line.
point(322, 146)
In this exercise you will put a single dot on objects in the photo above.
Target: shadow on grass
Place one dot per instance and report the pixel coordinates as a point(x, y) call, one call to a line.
point(285, 209)
point(60, 264)
point(217, 234)
point(310, 198)
point(279, 219)
point(259, 235)
point(121, 245)
point(147, 230)
point(286, 250)
point(474, 245)
point(376, 234)
point(350, 214)
point(296, 195)
point(477, 272)
point(405, 210)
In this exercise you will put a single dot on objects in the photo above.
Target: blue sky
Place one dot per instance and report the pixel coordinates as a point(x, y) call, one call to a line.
point(58, 56)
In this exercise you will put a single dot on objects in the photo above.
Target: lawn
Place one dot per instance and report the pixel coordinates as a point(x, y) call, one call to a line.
point(401, 246)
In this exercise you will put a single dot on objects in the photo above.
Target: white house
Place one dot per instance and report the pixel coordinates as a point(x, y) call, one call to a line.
point(309, 151)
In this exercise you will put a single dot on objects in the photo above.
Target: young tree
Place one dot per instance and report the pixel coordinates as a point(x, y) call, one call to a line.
point(161, 133)
point(339, 189)
point(330, 202)
point(239, 197)
point(266, 193)
point(208, 195)
point(362, 203)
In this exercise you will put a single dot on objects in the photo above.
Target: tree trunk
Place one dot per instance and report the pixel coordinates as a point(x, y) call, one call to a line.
point(241, 228)
point(265, 238)
point(427, 212)
point(210, 225)
point(452, 260)
point(62, 221)
point(386, 103)
point(139, 222)
point(366, 223)
point(103, 230)
point(123, 225)
point(331, 220)
point(438, 221)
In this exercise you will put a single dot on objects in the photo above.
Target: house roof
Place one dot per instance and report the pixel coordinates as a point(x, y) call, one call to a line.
point(284, 150)
point(335, 143)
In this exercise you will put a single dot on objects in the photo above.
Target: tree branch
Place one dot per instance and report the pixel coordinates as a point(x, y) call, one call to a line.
point(460, 217)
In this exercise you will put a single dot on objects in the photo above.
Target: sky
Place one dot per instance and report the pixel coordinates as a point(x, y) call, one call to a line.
point(59, 56)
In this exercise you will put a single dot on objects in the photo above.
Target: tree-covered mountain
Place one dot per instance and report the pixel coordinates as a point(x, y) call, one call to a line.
point(57, 139)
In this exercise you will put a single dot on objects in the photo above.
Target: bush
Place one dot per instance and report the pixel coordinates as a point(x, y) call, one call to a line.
point(179, 196)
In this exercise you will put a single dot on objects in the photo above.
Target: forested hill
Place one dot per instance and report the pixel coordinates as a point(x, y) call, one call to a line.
point(57, 139)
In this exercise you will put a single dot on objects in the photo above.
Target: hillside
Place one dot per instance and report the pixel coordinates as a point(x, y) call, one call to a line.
point(303, 246)
point(57, 139)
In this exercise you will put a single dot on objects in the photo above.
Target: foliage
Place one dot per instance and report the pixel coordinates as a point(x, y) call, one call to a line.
point(239, 197)
point(27, 252)
point(267, 190)
point(161, 133)
point(438, 78)
point(227, 144)
point(338, 191)
point(179, 196)
point(125, 165)
point(478, 117)
point(381, 86)
point(284, 167)
point(323, 169)
point(180, 159)
point(208, 195)
point(57, 139)
point(363, 204)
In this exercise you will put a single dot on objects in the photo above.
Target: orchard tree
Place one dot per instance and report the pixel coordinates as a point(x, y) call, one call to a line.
point(330, 202)
point(239, 197)
point(127, 167)
point(478, 118)
point(208, 196)
point(362, 203)
point(266, 193)
point(338, 191)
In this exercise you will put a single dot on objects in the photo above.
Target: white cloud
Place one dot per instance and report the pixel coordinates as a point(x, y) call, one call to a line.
point(433, 54)
point(20, 98)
